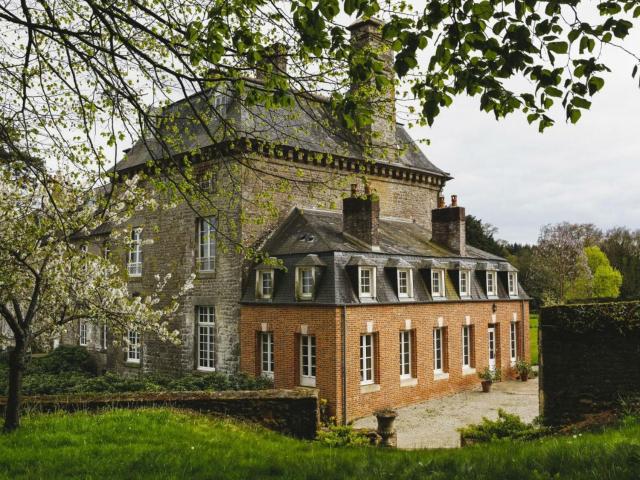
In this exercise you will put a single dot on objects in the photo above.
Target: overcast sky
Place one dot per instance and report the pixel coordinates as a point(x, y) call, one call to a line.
point(508, 174)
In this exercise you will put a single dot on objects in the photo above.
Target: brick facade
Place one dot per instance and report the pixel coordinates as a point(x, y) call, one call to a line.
point(385, 322)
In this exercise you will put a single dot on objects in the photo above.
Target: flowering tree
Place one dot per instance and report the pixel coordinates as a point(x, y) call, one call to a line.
point(47, 281)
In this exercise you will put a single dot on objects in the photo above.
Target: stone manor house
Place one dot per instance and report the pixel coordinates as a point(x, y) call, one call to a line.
point(377, 300)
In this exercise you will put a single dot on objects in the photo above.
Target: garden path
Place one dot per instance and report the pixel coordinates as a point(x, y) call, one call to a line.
point(434, 423)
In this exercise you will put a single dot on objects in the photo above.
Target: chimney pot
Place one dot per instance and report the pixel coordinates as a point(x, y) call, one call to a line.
point(441, 201)
point(448, 226)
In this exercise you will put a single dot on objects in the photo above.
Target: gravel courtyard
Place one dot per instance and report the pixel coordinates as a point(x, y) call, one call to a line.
point(433, 424)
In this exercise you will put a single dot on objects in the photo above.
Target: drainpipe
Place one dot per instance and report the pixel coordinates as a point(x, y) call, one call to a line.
point(344, 364)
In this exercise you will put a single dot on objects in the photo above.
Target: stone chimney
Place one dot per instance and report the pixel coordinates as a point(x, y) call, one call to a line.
point(276, 59)
point(366, 34)
point(361, 217)
point(448, 226)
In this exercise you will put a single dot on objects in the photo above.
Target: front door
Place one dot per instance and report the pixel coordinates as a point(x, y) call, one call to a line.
point(491, 334)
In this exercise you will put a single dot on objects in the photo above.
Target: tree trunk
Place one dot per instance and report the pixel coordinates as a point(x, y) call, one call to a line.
point(17, 362)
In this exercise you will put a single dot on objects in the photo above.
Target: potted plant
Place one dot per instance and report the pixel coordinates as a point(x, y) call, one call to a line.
point(487, 377)
point(524, 369)
point(386, 417)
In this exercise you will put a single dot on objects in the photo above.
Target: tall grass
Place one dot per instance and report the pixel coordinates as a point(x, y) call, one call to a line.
point(161, 443)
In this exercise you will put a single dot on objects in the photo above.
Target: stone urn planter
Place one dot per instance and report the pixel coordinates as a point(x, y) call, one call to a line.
point(386, 430)
point(486, 385)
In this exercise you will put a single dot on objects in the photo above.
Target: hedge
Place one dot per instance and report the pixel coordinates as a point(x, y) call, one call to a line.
point(622, 317)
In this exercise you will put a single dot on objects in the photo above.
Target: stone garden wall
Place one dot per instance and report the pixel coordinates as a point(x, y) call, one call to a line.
point(589, 359)
point(293, 412)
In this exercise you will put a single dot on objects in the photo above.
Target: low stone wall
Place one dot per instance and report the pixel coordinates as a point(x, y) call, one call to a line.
point(589, 359)
point(293, 412)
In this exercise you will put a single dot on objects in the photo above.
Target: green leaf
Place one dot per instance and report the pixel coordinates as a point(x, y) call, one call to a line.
point(558, 47)
point(581, 102)
point(553, 91)
point(595, 84)
point(575, 115)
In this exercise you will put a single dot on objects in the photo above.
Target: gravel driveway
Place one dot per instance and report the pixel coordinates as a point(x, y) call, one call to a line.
point(433, 424)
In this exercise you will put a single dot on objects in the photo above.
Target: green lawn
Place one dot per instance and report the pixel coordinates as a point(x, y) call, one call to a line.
point(162, 443)
point(533, 337)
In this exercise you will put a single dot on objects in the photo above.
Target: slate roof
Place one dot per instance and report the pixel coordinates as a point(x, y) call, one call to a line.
point(402, 244)
point(307, 125)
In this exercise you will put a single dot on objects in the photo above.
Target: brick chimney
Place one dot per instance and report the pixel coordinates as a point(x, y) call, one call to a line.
point(361, 217)
point(448, 226)
point(366, 34)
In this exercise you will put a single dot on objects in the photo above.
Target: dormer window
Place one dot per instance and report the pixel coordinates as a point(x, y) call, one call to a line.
point(264, 283)
point(306, 282)
point(437, 283)
point(512, 278)
point(405, 283)
point(366, 282)
point(492, 285)
point(465, 283)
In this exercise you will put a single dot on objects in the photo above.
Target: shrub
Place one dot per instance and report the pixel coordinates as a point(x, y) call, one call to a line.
point(342, 436)
point(112, 383)
point(214, 382)
point(64, 359)
point(507, 426)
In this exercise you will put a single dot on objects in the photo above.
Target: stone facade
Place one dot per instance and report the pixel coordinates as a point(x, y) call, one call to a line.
point(257, 204)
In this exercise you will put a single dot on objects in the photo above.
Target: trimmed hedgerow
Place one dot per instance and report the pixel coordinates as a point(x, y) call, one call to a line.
point(623, 317)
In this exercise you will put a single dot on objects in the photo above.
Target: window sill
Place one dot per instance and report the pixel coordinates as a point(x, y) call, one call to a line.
point(439, 298)
point(408, 382)
point(370, 388)
point(440, 376)
point(205, 273)
point(205, 370)
point(468, 371)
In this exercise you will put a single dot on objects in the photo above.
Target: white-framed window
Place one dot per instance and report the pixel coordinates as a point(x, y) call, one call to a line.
point(206, 244)
point(134, 261)
point(512, 278)
point(438, 350)
point(306, 277)
point(103, 339)
point(465, 283)
point(513, 342)
point(492, 284)
point(405, 354)
point(266, 354)
point(206, 318)
point(405, 283)
point(83, 339)
point(264, 283)
point(133, 348)
point(308, 360)
point(366, 282)
point(467, 339)
point(366, 359)
point(437, 283)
